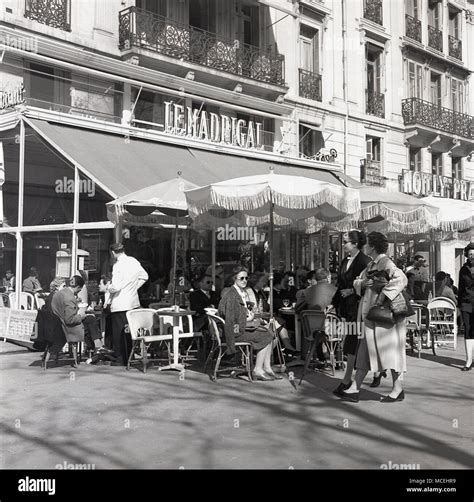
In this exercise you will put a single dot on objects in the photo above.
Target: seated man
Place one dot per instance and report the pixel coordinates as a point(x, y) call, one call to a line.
point(318, 296)
point(310, 281)
point(32, 284)
point(201, 299)
point(442, 288)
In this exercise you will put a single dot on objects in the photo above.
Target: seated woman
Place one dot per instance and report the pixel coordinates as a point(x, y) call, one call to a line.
point(233, 308)
point(256, 284)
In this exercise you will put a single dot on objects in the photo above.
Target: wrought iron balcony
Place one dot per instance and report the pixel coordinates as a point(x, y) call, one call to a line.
point(54, 13)
point(310, 85)
point(413, 28)
point(371, 172)
point(418, 111)
point(455, 47)
point(375, 103)
point(435, 38)
point(373, 11)
point(140, 28)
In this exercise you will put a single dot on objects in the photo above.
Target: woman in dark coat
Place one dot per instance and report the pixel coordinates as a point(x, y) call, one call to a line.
point(233, 308)
point(466, 302)
point(346, 301)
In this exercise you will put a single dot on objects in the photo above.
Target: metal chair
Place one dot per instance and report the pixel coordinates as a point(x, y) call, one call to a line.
point(335, 333)
point(442, 322)
point(414, 333)
point(27, 301)
point(216, 327)
point(313, 324)
point(140, 322)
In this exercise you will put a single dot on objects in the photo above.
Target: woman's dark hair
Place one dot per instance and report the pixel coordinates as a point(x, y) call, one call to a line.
point(357, 238)
point(254, 278)
point(378, 241)
point(468, 248)
point(440, 276)
point(278, 277)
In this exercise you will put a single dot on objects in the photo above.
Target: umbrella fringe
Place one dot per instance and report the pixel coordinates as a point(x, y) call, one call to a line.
point(418, 215)
point(451, 226)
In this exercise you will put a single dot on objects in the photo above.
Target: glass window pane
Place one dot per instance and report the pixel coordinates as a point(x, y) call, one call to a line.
point(9, 140)
point(7, 265)
point(49, 253)
point(49, 184)
point(92, 201)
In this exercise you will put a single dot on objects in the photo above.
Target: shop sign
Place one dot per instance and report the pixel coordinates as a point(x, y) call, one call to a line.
point(323, 156)
point(425, 184)
point(18, 325)
point(12, 98)
point(218, 128)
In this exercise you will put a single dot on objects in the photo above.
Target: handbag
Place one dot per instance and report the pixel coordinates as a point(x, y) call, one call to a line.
point(400, 305)
point(380, 314)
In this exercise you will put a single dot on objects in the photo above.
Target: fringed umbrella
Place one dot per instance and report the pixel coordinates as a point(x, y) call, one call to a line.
point(158, 203)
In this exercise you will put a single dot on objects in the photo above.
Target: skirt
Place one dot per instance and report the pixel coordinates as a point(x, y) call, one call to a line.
point(259, 338)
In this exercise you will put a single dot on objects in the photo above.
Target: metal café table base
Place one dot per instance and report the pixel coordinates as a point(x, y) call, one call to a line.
point(175, 365)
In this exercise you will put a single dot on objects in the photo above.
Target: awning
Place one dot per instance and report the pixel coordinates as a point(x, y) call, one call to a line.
point(453, 214)
point(121, 165)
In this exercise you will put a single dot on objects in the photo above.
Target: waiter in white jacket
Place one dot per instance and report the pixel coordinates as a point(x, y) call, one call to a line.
point(128, 276)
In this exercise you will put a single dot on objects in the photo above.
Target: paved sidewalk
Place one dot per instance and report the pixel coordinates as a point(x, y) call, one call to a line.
point(112, 418)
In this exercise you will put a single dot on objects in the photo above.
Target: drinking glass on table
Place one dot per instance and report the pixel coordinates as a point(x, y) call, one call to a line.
point(286, 303)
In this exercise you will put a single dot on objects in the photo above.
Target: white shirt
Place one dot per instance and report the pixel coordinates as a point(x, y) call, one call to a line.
point(350, 259)
point(128, 276)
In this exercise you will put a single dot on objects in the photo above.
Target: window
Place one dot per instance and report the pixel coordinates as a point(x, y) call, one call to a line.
point(251, 25)
point(437, 164)
point(457, 95)
point(374, 70)
point(412, 8)
point(415, 159)
point(435, 89)
point(456, 164)
point(373, 148)
point(415, 80)
point(47, 85)
point(434, 14)
point(202, 14)
point(155, 6)
point(309, 49)
point(454, 28)
point(310, 141)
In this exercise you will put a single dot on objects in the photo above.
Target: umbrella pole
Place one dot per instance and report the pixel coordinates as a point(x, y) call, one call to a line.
point(174, 260)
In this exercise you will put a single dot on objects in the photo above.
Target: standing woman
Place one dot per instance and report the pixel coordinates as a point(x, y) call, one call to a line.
point(346, 300)
point(233, 308)
point(466, 302)
point(381, 347)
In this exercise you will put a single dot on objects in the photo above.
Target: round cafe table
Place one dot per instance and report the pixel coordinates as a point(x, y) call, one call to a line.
point(175, 365)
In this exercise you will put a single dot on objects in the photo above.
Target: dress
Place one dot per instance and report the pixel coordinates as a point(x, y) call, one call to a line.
point(234, 312)
point(381, 348)
point(466, 299)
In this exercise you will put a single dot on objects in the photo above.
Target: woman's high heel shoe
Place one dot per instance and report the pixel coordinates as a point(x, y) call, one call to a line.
point(377, 379)
point(273, 375)
point(388, 399)
point(467, 368)
point(262, 376)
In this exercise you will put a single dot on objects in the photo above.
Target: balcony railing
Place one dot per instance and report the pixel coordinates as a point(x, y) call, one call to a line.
point(371, 172)
point(455, 47)
point(141, 28)
point(413, 28)
point(373, 11)
point(375, 103)
point(435, 38)
point(54, 13)
point(310, 85)
point(418, 111)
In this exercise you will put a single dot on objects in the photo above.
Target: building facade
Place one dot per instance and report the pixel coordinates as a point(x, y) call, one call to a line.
point(108, 96)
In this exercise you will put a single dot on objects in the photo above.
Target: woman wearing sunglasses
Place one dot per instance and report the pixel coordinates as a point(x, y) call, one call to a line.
point(233, 308)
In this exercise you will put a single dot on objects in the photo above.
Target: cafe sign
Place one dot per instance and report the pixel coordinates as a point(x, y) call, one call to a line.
point(218, 128)
point(12, 98)
point(425, 184)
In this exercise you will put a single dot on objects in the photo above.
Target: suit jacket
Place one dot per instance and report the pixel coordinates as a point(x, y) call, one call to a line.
point(65, 306)
point(199, 300)
point(316, 297)
point(234, 312)
point(466, 288)
point(347, 307)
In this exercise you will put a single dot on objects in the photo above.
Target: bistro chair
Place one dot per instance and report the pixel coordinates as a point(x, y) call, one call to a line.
point(335, 331)
point(216, 329)
point(27, 301)
point(313, 324)
point(442, 322)
point(140, 323)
